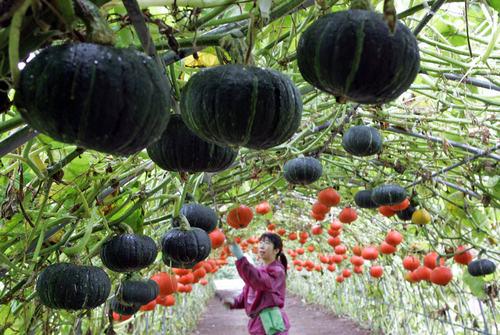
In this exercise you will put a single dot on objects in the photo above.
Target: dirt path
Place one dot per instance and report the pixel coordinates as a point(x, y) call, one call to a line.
point(305, 320)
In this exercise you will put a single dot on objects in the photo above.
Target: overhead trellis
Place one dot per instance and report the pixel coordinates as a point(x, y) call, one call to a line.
point(61, 202)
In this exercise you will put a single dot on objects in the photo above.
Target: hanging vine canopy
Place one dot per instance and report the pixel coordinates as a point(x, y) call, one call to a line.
point(87, 85)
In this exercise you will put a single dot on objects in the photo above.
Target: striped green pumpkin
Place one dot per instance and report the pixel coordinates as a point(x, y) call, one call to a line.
point(363, 199)
point(353, 55)
point(98, 97)
point(73, 287)
point(235, 105)
point(302, 170)
point(179, 149)
point(362, 141)
point(388, 194)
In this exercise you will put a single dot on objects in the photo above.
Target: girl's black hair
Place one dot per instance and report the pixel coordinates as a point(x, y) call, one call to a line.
point(277, 244)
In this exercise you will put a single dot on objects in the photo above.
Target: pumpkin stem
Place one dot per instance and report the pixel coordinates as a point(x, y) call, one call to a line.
point(80, 246)
point(390, 15)
point(98, 30)
point(361, 4)
point(126, 228)
point(180, 200)
point(183, 222)
point(235, 45)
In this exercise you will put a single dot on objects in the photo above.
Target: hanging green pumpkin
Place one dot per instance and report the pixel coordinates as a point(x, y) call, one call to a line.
point(179, 149)
point(98, 97)
point(236, 105)
point(353, 55)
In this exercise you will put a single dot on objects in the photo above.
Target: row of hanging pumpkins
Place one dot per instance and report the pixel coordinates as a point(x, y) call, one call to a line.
point(431, 271)
point(118, 100)
point(70, 286)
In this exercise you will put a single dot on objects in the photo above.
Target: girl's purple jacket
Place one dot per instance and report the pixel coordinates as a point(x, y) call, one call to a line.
point(265, 286)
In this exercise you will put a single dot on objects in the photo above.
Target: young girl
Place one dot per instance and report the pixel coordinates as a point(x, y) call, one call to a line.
point(263, 295)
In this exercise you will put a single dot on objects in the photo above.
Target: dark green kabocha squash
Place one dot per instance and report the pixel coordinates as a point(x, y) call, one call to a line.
point(389, 194)
point(198, 216)
point(363, 199)
point(183, 248)
point(98, 97)
point(353, 55)
point(406, 214)
point(179, 149)
point(362, 141)
point(138, 291)
point(481, 267)
point(128, 252)
point(302, 170)
point(123, 308)
point(242, 106)
point(73, 287)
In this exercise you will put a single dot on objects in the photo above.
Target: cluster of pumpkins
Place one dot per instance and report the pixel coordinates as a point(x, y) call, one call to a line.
point(117, 101)
point(432, 270)
point(73, 287)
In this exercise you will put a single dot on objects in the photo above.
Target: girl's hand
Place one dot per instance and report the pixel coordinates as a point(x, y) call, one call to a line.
point(236, 250)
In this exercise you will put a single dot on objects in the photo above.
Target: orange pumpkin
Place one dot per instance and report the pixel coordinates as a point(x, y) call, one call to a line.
point(217, 238)
point(376, 271)
point(441, 275)
point(263, 208)
point(329, 197)
point(240, 217)
point(348, 215)
point(411, 263)
point(394, 237)
point(167, 283)
point(166, 300)
point(462, 256)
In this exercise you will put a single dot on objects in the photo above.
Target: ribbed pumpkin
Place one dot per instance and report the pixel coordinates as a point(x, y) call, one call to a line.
point(481, 267)
point(138, 291)
point(183, 248)
point(128, 252)
point(388, 194)
point(122, 308)
point(217, 238)
point(362, 141)
point(73, 287)
point(198, 216)
point(239, 217)
point(167, 283)
point(353, 55)
point(242, 106)
point(98, 97)
point(363, 199)
point(406, 214)
point(302, 170)
point(179, 149)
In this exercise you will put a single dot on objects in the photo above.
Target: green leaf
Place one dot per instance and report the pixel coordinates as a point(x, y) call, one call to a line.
point(78, 166)
point(478, 217)
point(6, 316)
point(475, 284)
point(495, 4)
point(67, 10)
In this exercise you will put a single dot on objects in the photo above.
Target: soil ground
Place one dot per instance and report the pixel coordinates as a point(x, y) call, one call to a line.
point(305, 319)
